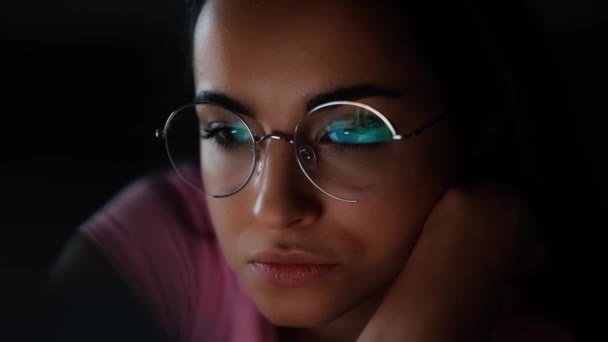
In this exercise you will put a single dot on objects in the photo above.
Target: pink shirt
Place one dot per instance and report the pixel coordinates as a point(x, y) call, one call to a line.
point(158, 237)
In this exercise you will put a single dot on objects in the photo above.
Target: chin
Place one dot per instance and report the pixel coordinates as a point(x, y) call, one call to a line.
point(293, 318)
point(296, 311)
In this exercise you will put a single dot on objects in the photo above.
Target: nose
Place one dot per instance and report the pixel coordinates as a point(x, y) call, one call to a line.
point(284, 197)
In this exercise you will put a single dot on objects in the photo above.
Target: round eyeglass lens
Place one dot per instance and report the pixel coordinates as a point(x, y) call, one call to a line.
point(211, 148)
point(343, 149)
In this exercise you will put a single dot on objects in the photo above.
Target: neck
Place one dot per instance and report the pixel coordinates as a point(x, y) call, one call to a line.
point(345, 328)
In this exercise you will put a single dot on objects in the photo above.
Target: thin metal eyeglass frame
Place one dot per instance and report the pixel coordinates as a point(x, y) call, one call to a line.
point(162, 134)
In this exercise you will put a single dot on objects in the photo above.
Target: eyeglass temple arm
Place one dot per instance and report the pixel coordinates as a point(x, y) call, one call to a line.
point(420, 129)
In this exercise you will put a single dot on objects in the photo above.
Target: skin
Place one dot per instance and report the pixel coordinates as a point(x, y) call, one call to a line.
point(321, 46)
point(477, 237)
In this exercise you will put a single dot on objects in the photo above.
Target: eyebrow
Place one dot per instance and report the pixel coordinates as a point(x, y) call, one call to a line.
point(343, 93)
point(222, 100)
point(351, 93)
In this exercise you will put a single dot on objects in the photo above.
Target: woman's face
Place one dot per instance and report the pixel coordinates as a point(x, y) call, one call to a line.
point(305, 258)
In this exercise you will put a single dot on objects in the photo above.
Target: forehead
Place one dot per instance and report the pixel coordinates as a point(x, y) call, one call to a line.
point(289, 48)
point(279, 22)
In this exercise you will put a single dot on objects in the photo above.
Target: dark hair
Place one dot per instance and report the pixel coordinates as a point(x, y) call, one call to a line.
point(495, 69)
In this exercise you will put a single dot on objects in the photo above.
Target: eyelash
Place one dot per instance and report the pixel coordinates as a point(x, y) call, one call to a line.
point(341, 147)
point(212, 134)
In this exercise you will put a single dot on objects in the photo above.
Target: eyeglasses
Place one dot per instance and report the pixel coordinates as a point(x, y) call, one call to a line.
point(342, 147)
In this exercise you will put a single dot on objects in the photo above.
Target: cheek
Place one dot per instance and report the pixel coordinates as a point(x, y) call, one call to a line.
point(387, 226)
point(424, 170)
point(383, 233)
point(228, 219)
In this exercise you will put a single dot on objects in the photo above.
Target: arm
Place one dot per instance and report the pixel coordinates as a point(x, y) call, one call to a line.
point(455, 279)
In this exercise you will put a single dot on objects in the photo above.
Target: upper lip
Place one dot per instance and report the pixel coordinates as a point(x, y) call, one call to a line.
point(291, 257)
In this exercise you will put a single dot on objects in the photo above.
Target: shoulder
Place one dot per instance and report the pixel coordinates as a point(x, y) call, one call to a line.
point(152, 202)
point(153, 242)
point(157, 224)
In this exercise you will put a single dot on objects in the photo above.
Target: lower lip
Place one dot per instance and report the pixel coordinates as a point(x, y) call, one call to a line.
point(291, 275)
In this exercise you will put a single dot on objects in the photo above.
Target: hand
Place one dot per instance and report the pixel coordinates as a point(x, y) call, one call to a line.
point(454, 281)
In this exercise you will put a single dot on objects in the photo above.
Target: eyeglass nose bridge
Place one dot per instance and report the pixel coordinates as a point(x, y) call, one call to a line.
point(309, 156)
point(273, 136)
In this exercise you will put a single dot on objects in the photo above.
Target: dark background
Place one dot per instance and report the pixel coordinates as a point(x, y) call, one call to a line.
point(84, 84)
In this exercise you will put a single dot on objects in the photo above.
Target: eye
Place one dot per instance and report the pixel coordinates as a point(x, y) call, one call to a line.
point(227, 135)
point(361, 128)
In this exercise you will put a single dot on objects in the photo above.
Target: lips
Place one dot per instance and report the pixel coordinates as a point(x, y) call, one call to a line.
point(291, 268)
